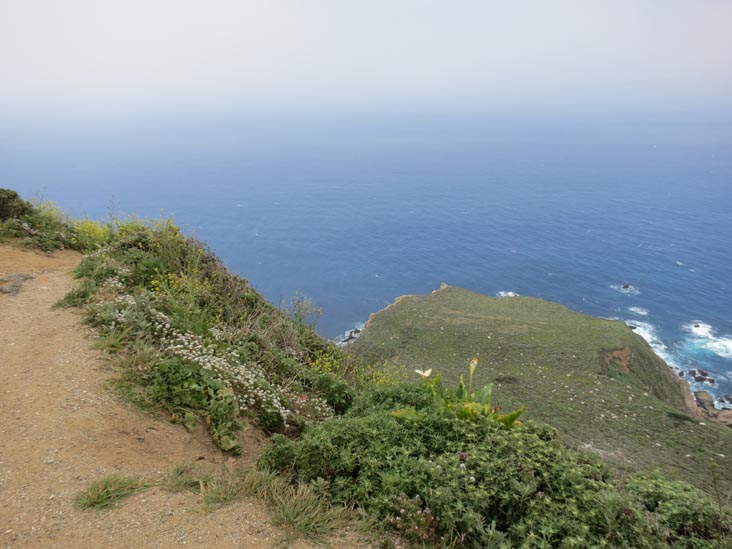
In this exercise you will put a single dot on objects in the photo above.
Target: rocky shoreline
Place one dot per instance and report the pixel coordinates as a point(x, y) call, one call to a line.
point(706, 409)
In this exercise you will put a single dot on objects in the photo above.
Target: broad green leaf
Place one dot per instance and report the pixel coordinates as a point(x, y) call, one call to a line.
point(462, 394)
point(508, 420)
point(468, 410)
point(484, 395)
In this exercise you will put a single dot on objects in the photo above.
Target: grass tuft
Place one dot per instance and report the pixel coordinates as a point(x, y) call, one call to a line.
point(185, 477)
point(298, 508)
point(221, 490)
point(107, 492)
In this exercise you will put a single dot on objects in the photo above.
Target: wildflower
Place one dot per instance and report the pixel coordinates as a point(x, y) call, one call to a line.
point(473, 365)
point(423, 373)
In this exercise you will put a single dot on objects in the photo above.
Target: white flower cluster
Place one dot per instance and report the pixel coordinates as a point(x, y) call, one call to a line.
point(248, 380)
point(125, 300)
point(113, 283)
point(27, 228)
point(114, 313)
point(96, 253)
point(313, 408)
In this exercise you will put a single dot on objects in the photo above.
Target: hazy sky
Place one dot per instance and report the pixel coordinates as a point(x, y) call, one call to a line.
point(284, 56)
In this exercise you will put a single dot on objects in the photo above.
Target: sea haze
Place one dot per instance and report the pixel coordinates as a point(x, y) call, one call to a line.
point(629, 219)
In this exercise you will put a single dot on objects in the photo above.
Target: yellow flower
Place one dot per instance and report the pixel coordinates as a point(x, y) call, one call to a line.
point(424, 374)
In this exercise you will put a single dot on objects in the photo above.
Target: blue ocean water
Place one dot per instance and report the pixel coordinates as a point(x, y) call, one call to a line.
point(630, 220)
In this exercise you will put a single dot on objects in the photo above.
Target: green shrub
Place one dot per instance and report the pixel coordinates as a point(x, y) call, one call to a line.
point(336, 392)
point(12, 206)
point(442, 480)
point(152, 285)
point(682, 510)
point(43, 225)
point(391, 397)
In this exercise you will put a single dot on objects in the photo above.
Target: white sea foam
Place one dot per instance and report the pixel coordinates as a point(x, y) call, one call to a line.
point(350, 335)
point(627, 289)
point(699, 329)
point(721, 347)
point(640, 311)
point(706, 338)
point(648, 332)
point(507, 294)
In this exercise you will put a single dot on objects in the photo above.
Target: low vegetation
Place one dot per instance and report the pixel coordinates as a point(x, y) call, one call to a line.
point(297, 507)
point(108, 491)
point(441, 464)
point(198, 341)
point(40, 224)
point(441, 478)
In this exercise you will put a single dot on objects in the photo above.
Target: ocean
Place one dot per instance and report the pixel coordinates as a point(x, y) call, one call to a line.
point(620, 218)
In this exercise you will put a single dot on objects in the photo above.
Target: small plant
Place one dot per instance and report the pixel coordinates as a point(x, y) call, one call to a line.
point(184, 477)
point(106, 492)
point(299, 508)
point(413, 520)
point(187, 391)
point(465, 403)
point(222, 489)
point(293, 505)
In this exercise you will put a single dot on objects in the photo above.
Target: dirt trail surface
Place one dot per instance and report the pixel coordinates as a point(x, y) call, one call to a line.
point(60, 429)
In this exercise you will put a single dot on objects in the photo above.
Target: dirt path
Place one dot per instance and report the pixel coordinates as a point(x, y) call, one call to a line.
point(60, 429)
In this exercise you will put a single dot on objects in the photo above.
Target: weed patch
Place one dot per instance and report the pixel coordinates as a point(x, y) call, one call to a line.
point(107, 492)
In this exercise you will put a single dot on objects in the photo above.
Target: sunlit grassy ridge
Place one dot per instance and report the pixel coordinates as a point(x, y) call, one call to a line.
point(595, 380)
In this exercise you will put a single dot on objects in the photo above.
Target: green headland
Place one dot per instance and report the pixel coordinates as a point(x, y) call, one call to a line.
point(595, 380)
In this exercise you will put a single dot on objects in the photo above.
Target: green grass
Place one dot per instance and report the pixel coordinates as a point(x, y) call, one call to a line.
point(222, 489)
point(550, 358)
point(294, 506)
point(107, 492)
point(298, 508)
point(185, 477)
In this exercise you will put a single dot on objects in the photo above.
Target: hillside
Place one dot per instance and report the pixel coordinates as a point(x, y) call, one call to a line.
point(62, 429)
point(595, 380)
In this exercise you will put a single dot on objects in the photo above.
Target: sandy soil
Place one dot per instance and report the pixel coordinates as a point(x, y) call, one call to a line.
point(60, 429)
